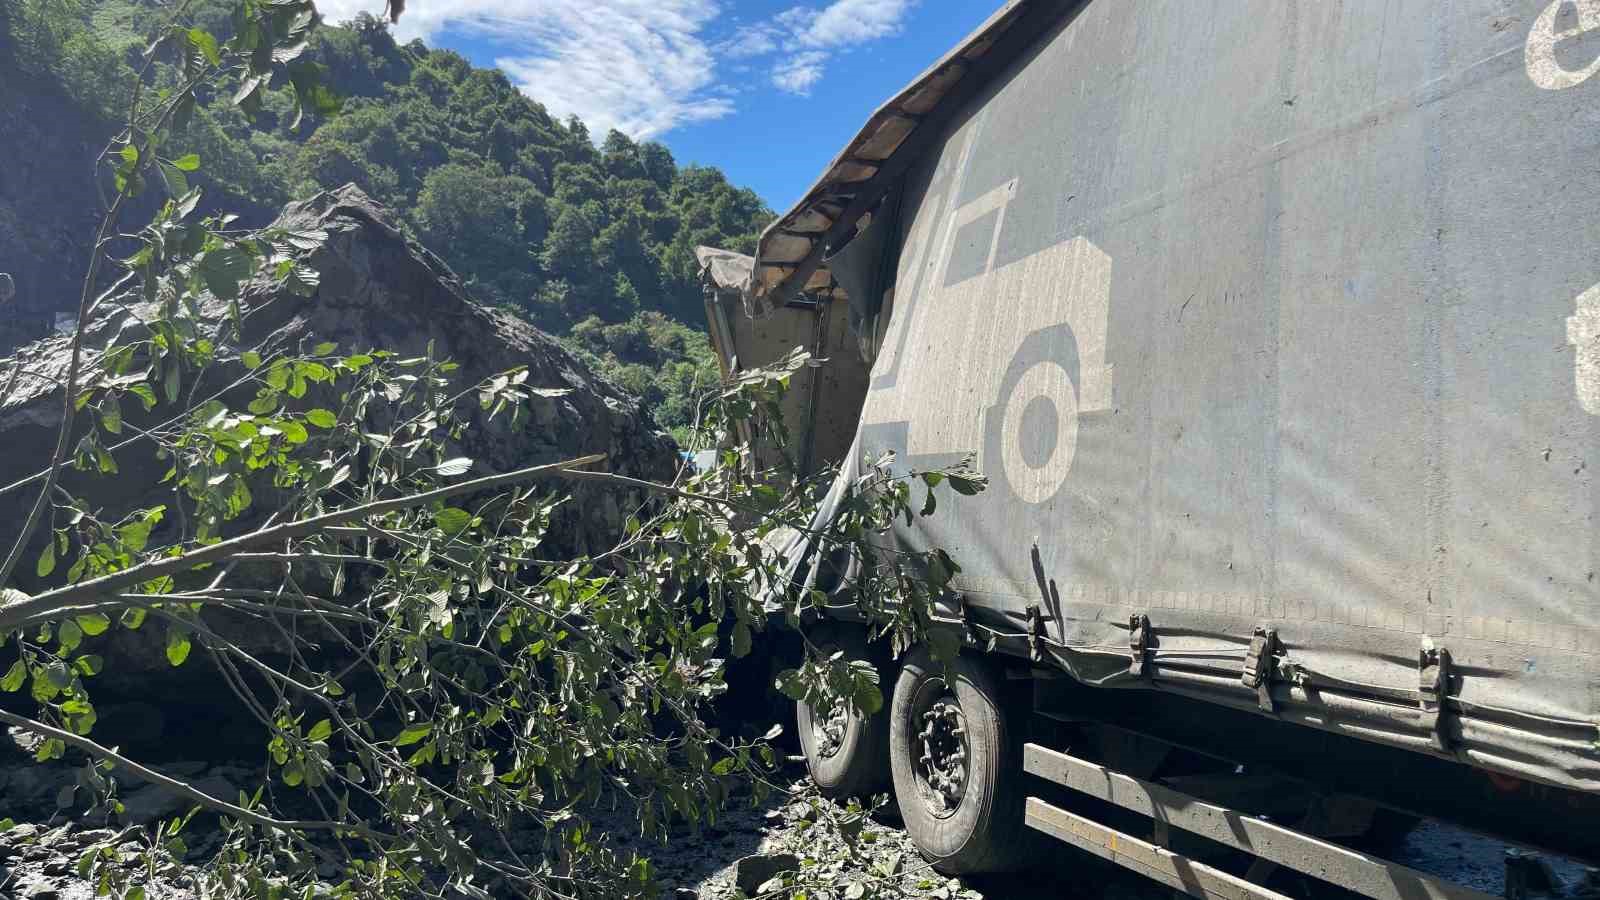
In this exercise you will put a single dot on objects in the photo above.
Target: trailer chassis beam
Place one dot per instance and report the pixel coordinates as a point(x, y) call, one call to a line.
point(1175, 870)
point(1368, 876)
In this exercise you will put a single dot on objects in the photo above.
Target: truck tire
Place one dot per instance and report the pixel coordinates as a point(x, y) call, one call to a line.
point(847, 753)
point(956, 756)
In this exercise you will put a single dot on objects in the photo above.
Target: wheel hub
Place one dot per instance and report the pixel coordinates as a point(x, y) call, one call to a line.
point(942, 754)
point(828, 728)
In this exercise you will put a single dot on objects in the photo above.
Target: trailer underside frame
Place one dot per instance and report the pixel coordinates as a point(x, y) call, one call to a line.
point(1270, 843)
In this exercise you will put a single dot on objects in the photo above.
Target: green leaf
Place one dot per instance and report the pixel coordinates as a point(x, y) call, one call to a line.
point(177, 183)
point(89, 664)
point(111, 414)
point(177, 647)
point(452, 520)
point(247, 90)
point(251, 359)
point(457, 466)
point(320, 731)
point(132, 618)
point(94, 623)
point(294, 432)
point(322, 418)
point(16, 676)
point(790, 685)
point(135, 534)
point(326, 348)
point(182, 112)
point(968, 485)
point(47, 561)
point(724, 766)
point(187, 163)
point(741, 640)
point(145, 394)
point(868, 698)
point(223, 269)
point(70, 636)
point(206, 44)
point(173, 381)
point(413, 734)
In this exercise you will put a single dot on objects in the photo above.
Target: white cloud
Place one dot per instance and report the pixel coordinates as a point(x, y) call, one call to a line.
point(751, 40)
point(815, 34)
point(797, 73)
point(643, 67)
point(640, 66)
point(847, 22)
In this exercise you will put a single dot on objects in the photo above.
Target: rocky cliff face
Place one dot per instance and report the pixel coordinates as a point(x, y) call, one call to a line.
point(378, 290)
point(48, 207)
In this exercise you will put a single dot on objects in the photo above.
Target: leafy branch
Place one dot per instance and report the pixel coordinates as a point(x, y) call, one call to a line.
point(429, 669)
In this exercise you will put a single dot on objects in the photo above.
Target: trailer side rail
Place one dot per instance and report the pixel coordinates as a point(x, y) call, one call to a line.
point(1366, 875)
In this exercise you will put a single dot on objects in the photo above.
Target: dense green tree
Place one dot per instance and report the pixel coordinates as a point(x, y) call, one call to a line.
point(488, 222)
point(522, 205)
point(56, 38)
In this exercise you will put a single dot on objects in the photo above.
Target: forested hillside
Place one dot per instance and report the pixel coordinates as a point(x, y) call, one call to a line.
point(592, 243)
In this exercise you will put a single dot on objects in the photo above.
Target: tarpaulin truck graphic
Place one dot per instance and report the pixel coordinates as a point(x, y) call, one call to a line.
point(1046, 314)
point(1275, 327)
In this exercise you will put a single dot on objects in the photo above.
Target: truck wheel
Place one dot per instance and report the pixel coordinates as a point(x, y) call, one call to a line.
point(846, 752)
point(957, 764)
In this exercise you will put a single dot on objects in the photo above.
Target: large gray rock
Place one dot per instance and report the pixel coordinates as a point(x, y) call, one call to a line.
point(378, 290)
point(151, 802)
point(755, 870)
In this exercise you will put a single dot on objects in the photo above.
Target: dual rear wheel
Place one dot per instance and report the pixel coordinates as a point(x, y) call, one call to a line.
point(947, 741)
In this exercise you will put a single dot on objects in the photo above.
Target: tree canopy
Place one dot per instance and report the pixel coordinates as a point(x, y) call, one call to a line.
point(431, 674)
point(524, 207)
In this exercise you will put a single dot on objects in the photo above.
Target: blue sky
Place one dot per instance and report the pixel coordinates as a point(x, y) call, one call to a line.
point(768, 90)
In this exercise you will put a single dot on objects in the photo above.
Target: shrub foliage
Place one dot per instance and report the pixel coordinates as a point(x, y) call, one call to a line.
point(430, 687)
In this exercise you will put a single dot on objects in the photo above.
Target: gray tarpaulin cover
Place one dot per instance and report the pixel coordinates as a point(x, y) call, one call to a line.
point(726, 269)
point(1276, 316)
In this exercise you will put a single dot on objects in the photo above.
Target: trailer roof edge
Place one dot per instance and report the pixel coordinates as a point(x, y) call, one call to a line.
point(793, 237)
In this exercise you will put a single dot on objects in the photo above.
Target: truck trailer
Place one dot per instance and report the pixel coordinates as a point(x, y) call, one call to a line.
point(1276, 329)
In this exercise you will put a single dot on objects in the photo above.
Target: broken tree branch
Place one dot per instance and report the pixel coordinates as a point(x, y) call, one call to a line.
point(43, 605)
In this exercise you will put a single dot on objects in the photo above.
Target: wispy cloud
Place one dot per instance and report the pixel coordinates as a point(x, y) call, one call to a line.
point(797, 72)
point(848, 22)
point(812, 35)
point(751, 40)
point(643, 67)
point(640, 66)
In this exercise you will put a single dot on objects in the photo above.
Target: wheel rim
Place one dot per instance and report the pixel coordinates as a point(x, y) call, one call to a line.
point(940, 752)
point(828, 726)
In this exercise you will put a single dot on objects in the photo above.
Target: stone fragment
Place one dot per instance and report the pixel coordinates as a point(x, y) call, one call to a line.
point(751, 872)
point(156, 801)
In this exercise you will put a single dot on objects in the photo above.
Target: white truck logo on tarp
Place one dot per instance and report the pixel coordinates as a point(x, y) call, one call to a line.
point(1561, 22)
point(1583, 331)
point(1020, 348)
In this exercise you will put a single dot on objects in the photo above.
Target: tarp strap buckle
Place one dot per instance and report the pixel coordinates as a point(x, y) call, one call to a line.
point(1138, 643)
point(1433, 689)
point(1260, 665)
point(1035, 632)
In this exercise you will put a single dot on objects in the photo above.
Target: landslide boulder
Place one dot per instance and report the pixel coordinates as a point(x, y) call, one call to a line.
point(377, 290)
